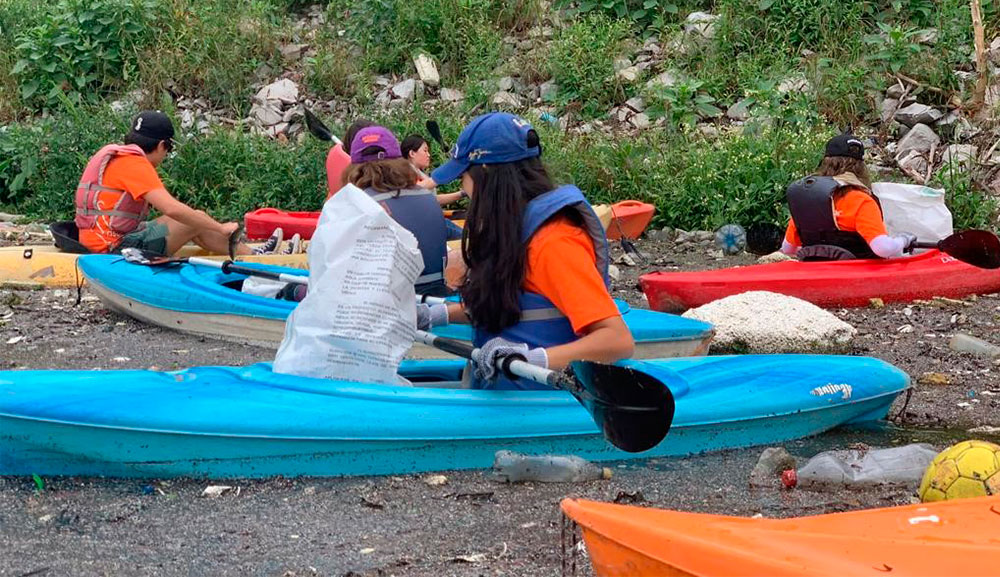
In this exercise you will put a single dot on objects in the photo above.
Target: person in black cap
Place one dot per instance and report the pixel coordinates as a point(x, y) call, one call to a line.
point(835, 215)
point(119, 185)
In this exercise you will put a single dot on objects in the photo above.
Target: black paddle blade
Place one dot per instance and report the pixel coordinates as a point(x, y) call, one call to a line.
point(764, 238)
point(634, 410)
point(980, 248)
point(435, 131)
point(316, 126)
point(234, 241)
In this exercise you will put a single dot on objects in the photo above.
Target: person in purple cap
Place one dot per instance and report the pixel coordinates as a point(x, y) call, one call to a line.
point(378, 167)
point(537, 256)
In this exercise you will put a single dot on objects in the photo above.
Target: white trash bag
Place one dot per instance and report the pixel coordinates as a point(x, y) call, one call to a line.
point(358, 319)
point(915, 209)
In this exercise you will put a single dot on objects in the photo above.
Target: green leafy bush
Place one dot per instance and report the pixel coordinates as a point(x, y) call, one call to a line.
point(82, 49)
point(895, 45)
point(682, 104)
point(643, 13)
point(582, 63)
point(969, 206)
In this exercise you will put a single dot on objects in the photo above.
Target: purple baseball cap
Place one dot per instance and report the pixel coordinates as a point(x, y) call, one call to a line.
point(374, 143)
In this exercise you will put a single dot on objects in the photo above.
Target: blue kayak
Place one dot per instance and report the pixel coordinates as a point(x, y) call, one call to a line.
point(224, 422)
point(203, 300)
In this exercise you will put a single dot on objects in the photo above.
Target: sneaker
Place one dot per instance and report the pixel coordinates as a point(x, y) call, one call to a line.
point(294, 245)
point(272, 243)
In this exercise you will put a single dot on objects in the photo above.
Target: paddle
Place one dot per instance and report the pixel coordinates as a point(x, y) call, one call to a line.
point(137, 256)
point(435, 131)
point(317, 128)
point(980, 248)
point(633, 409)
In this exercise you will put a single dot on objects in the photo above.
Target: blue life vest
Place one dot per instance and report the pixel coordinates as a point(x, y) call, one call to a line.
point(418, 211)
point(542, 324)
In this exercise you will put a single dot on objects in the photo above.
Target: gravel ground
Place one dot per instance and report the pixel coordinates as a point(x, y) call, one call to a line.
point(400, 525)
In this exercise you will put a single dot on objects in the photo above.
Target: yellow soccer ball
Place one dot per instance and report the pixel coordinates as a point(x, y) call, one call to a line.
point(967, 469)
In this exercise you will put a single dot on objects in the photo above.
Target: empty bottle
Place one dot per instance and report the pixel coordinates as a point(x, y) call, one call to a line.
point(731, 238)
point(511, 467)
point(896, 466)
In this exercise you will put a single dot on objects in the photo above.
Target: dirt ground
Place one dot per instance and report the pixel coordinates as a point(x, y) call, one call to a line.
point(469, 526)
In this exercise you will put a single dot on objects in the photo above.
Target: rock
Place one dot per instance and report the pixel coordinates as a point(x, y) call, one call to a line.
point(7, 217)
point(636, 103)
point(547, 90)
point(650, 46)
point(700, 24)
point(913, 162)
point(895, 91)
point(993, 53)
point(665, 79)
point(776, 256)
point(293, 114)
point(770, 465)
point(926, 36)
point(918, 114)
point(435, 480)
point(621, 63)
point(452, 95)
point(383, 98)
point(964, 343)
point(621, 113)
point(960, 155)
point(766, 322)
point(614, 272)
point(739, 111)
point(640, 121)
point(920, 138)
point(505, 84)
point(404, 90)
point(427, 70)
point(213, 491)
point(292, 52)
point(709, 131)
point(630, 74)
point(936, 379)
point(792, 83)
point(284, 91)
point(888, 109)
point(506, 100)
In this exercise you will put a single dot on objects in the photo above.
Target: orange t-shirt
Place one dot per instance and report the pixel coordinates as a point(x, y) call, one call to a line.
point(134, 174)
point(561, 266)
point(856, 211)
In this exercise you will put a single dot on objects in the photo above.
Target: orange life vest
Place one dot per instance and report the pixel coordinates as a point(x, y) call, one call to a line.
point(126, 213)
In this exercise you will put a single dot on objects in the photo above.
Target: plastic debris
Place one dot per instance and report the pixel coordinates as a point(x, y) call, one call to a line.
point(213, 491)
point(896, 466)
point(513, 467)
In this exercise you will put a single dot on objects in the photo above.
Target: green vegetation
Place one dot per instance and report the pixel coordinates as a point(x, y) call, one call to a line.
point(803, 68)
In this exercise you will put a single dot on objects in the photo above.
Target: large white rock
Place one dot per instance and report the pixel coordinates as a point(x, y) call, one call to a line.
point(917, 113)
point(766, 322)
point(700, 24)
point(284, 91)
point(426, 69)
point(920, 139)
point(666, 79)
point(404, 90)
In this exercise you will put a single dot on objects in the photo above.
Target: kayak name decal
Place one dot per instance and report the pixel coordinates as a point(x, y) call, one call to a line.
point(832, 389)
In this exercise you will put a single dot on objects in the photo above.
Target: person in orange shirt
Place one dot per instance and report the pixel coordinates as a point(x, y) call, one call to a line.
point(120, 184)
point(835, 215)
point(537, 282)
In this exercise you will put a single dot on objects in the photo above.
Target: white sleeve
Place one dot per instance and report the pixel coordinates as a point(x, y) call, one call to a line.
point(788, 248)
point(887, 246)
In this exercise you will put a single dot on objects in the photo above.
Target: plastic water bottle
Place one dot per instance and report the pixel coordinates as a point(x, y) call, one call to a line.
point(511, 467)
point(546, 117)
point(731, 238)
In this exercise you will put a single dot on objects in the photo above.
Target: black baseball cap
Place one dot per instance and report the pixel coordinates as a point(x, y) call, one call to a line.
point(845, 144)
point(153, 125)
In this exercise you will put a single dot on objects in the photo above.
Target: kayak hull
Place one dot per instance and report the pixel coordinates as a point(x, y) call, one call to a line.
point(946, 538)
point(629, 219)
point(827, 284)
point(193, 299)
point(221, 422)
point(50, 267)
point(261, 223)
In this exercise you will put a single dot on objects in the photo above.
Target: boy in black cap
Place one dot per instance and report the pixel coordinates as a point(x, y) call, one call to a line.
point(119, 185)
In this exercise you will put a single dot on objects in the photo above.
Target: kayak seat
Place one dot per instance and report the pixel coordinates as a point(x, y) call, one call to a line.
point(66, 236)
point(824, 252)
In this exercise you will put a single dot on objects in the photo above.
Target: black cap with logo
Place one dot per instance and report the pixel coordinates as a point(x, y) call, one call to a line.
point(845, 144)
point(153, 125)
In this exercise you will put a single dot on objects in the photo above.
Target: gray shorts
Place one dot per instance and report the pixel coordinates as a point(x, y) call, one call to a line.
point(151, 237)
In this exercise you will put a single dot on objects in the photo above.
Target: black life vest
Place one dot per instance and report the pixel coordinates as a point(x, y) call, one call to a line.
point(810, 200)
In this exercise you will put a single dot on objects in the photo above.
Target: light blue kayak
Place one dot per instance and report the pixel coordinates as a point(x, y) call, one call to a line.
point(203, 300)
point(224, 422)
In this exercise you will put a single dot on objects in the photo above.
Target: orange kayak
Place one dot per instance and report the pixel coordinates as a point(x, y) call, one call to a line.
point(629, 219)
point(959, 537)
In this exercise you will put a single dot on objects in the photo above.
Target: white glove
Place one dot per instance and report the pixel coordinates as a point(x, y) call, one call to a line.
point(908, 241)
point(489, 357)
point(429, 316)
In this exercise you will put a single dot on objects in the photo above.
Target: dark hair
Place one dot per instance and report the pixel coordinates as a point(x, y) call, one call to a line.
point(411, 143)
point(147, 144)
point(834, 165)
point(381, 175)
point(491, 240)
point(353, 130)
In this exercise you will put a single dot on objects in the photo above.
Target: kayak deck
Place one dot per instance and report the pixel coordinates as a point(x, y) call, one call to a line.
point(959, 537)
point(250, 422)
point(828, 284)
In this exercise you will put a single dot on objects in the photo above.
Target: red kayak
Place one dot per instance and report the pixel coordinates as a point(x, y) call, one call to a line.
point(261, 223)
point(846, 283)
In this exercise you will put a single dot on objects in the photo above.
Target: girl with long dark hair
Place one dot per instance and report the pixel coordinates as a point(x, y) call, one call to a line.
point(537, 257)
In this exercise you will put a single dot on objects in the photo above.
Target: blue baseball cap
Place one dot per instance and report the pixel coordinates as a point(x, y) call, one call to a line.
point(492, 138)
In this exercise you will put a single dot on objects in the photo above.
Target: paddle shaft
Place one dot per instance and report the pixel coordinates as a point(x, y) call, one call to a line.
point(229, 267)
point(511, 365)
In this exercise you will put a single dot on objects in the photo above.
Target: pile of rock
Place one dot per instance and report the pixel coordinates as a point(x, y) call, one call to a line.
point(276, 111)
